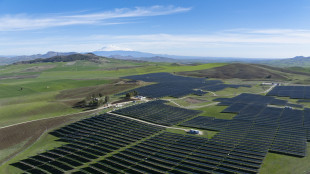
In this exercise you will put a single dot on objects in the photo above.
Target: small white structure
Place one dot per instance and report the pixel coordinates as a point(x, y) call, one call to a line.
point(271, 83)
point(267, 83)
point(192, 131)
point(140, 97)
point(118, 105)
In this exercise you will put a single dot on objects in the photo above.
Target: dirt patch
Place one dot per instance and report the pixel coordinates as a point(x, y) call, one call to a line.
point(70, 63)
point(31, 131)
point(38, 68)
point(135, 82)
point(118, 68)
point(236, 70)
point(72, 96)
point(195, 100)
point(123, 100)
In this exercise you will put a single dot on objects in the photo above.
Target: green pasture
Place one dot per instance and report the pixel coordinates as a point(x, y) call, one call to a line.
point(215, 111)
point(17, 113)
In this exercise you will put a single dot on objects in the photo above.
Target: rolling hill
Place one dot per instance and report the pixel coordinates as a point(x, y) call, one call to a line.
point(65, 58)
point(4, 60)
point(237, 70)
point(134, 55)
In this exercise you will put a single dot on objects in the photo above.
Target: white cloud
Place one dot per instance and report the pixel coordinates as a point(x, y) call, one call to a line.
point(246, 37)
point(230, 43)
point(28, 22)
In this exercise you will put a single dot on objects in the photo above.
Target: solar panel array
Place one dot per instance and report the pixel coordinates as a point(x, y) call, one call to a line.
point(307, 122)
point(251, 99)
point(87, 140)
point(205, 122)
point(239, 147)
point(294, 92)
point(180, 154)
point(176, 86)
point(158, 112)
point(287, 130)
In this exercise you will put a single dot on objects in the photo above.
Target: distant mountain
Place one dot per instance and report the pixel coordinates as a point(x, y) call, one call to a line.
point(150, 57)
point(65, 58)
point(124, 53)
point(12, 59)
point(135, 55)
point(298, 61)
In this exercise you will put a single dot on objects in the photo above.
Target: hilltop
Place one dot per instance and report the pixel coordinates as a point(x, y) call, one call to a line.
point(237, 70)
point(12, 59)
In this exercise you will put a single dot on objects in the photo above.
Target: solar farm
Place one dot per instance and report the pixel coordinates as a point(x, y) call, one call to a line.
point(136, 139)
point(177, 86)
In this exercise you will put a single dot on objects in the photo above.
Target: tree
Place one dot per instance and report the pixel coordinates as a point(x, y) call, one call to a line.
point(128, 96)
point(107, 99)
point(100, 102)
point(100, 94)
point(131, 94)
point(135, 93)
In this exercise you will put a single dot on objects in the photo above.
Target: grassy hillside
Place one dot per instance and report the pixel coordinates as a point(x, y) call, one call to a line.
point(300, 69)
point(236, 70)
point(32, 91)
point(292, 62)
point(252, 72)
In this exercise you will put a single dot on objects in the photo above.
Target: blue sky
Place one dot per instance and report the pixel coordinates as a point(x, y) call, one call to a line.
point(219, 28)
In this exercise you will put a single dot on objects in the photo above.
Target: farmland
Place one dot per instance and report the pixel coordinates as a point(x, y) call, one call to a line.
point(243, 130)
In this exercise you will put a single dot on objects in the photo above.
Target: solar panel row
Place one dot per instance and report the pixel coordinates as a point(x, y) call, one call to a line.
point(209, 123)
point(252, 99)
point(158, 112)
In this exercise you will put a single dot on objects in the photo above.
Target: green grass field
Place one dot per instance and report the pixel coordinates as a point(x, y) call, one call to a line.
point(37, 100)
point(215, 111)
